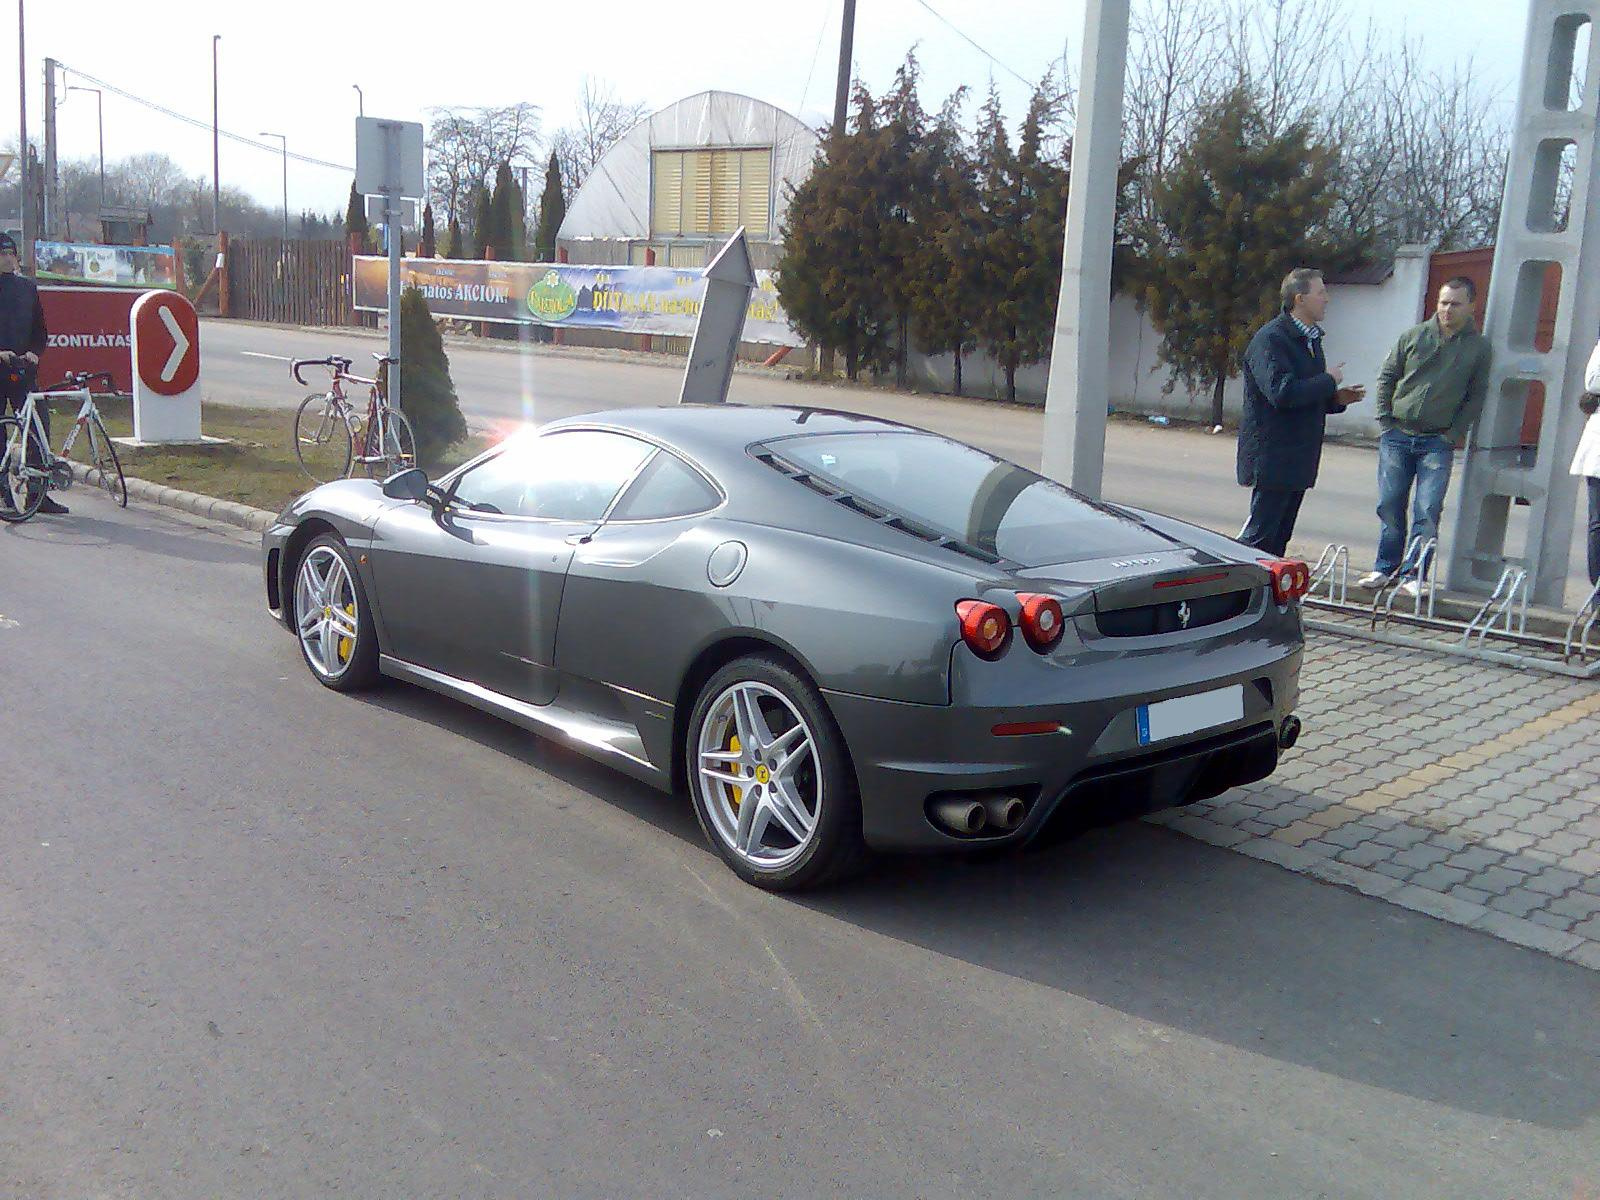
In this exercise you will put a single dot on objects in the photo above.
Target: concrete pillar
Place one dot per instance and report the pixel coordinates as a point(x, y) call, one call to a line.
point(1536, 238)
point(1080, 356)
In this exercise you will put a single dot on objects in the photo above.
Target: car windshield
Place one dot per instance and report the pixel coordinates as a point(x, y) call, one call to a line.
point(966, 494)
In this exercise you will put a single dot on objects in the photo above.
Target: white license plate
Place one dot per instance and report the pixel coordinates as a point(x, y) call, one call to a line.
point(1189, 714)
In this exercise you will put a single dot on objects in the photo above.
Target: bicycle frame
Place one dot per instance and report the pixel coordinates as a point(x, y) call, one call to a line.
point(29, 418)
point(374, 421)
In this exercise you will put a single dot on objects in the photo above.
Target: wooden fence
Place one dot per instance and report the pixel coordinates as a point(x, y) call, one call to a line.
point(297, 283)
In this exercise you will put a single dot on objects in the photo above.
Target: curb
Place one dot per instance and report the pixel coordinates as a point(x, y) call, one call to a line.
point(229, 512)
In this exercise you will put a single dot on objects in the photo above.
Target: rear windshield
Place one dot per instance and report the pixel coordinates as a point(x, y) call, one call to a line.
point(969, 495)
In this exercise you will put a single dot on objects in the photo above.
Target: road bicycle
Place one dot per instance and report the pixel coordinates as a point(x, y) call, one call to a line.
point(332, 436)
point(29, 469)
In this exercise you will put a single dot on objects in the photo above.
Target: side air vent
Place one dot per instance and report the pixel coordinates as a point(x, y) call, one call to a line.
point(873, 511)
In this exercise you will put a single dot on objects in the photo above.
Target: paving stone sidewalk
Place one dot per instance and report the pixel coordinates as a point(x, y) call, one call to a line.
point(1457, 788)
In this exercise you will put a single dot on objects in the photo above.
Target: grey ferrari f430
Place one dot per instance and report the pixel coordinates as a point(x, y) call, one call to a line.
point(836, 633)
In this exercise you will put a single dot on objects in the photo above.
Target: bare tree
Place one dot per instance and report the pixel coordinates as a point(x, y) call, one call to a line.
point(602, 121)
point(465, 145)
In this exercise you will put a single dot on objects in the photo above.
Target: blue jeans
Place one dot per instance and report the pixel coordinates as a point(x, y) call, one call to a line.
point(1403, 459)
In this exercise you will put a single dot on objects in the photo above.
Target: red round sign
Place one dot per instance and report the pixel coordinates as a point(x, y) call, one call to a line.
point(167, 341)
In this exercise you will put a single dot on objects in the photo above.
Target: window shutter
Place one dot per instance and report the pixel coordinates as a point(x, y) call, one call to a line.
point(755, 191)
point(696, 192)
point(666, 179)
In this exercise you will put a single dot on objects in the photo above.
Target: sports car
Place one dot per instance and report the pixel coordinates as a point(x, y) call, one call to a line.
point(837, 634)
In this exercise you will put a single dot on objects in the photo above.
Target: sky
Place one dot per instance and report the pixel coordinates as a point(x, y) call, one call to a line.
point(289, 67)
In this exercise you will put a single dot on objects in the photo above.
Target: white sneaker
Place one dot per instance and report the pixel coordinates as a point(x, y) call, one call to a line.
point(1413, 589)
point(1372, 581)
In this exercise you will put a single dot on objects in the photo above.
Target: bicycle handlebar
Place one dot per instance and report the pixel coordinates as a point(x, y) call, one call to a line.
point(83, 381)
point(339, 366)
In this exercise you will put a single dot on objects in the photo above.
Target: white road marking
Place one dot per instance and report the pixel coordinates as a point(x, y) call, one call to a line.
point(258, 354)
point(7, 623)
point(180, 345)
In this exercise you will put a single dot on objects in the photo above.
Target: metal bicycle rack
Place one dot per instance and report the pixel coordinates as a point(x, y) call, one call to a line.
point(1496, 632)
point(1582, 625)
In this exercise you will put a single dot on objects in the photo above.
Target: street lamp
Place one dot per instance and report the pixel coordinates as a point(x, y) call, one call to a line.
point(361, 101)
point(285, 141)
point(216, 145)
point(100, 120)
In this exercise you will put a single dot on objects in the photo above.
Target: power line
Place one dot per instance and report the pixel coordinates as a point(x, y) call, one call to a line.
point(206, 125)
point(947, 23)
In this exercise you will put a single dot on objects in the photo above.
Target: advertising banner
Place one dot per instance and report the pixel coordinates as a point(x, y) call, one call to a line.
point(119, 266)
point(658, 300)
point(88, 332)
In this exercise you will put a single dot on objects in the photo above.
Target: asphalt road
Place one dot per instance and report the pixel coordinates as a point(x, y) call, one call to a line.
point(1178, 471)
point(260, 939)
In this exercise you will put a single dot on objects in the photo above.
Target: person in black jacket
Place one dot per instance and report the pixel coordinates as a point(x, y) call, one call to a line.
point(1289, 390)
point(22, 342)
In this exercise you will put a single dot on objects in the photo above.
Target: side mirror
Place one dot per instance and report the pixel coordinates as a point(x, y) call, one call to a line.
point(410, 484)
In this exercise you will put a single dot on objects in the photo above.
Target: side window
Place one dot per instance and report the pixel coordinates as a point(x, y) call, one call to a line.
point(668, 487)
point(562, 476)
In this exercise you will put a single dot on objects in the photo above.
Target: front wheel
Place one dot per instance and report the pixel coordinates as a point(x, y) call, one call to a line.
point(103, 457)
point(771, 779)
point(322, 439)
point(332, 621)
point(21, 453)
point(396, 450)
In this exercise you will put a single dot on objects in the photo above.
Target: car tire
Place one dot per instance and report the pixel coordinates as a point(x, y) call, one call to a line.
point(340, 651)
point(803, 826)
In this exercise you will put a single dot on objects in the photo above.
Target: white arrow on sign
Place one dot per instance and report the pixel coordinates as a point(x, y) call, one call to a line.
point(180, 345)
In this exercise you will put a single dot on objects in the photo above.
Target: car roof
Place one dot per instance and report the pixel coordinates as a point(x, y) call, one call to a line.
point(717, 430)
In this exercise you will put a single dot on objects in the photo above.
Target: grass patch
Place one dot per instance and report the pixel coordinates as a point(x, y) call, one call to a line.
point(257, 467)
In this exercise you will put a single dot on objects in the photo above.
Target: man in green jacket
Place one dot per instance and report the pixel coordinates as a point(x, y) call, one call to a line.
point(1430, 392)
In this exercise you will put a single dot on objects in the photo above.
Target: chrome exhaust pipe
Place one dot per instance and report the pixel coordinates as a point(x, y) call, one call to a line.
point(1004, 812)
point(1288, 733)
point(960, 815)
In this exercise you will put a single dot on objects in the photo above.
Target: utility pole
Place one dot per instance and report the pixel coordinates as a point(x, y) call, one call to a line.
point(52, 198)
point(361, 100)
point(29, 231)
point(1080, 359)
point(841, 93)
point(216, 145)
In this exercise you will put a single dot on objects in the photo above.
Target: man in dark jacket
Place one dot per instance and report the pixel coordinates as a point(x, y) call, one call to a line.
point(1289, 390)
point(22, 342)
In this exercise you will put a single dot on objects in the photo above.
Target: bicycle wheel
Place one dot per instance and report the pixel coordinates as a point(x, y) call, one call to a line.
point(399, 449)
point(322, 440)
point(20, 494)
point(103, 457)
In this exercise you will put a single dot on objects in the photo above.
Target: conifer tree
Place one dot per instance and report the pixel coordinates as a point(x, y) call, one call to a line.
point(945, 269)
point(505, 216)
point(355, 214)
point(828, 277)
point(482, 221)
point(1237, 210)
point(427, 248)
point(552, 211)
point(1022, 199)
point(454, 246)
point(427, 395)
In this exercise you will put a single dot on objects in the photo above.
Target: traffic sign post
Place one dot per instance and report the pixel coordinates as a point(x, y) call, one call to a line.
point(389, 165)
point(165, 337)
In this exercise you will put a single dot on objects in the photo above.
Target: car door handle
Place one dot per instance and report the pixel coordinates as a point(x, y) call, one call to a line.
point(578, 539)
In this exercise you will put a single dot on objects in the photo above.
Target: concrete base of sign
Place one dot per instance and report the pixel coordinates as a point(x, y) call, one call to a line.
point(205, 439)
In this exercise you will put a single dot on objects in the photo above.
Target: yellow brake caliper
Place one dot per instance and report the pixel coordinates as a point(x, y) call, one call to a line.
point(737, 792)
point(347, 644)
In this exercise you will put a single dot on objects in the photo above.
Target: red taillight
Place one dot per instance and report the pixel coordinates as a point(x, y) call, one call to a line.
point(985, 627)
point(1041, 620)
point(1291, 578)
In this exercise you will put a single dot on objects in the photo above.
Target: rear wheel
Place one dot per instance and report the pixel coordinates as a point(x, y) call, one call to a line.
point(332, 621)
point(21, 493)
point(771, 779)
point(103, 457)
point(322, 439)
point(398, 448)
